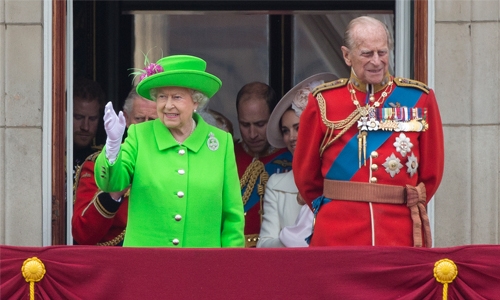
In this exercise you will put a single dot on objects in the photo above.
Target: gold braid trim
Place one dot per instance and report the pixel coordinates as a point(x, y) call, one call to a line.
point(114, 241)
point(77, 180)
point(255, 170)
point(261, 189)
point(345, 124)
point(78, 171)
point(249, 178)
point(100, 208)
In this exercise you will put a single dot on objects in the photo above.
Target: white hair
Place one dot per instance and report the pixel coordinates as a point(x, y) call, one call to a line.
point(349, 38)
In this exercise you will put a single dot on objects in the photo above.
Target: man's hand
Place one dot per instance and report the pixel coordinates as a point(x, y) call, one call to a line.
point(117, 196)
point(300, 200)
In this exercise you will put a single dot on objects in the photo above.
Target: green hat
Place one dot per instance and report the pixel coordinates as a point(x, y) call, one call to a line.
point(178, 70)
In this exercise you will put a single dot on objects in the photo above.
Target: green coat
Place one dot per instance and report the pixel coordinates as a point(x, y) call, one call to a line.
point(181, 195)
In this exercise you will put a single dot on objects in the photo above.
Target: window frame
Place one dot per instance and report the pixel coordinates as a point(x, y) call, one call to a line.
point(58, 232)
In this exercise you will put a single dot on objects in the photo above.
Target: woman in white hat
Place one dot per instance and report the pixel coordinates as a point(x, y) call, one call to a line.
point(184, 183)
point(287, 220)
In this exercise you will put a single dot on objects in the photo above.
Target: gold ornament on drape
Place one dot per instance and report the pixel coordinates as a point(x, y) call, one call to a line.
point(33, 271)
point(445, 271)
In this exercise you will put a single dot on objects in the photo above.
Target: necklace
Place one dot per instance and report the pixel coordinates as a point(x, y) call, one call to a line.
point(364, 110)
point(366, 115)
point(193, 126)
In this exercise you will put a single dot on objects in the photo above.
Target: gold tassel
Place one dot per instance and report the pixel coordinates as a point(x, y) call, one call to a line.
point(445, 271)
point(364, 146)
point(360, 141)
point(33, 271)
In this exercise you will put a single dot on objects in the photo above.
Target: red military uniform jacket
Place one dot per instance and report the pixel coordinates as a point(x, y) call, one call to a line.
point(97, 218)
point(396, 152)
point(277, 161)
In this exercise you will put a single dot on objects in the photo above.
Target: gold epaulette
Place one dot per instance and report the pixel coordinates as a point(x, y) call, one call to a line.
point(97, 147)
point(399, 81)
point(93, 156)
point(330, 85)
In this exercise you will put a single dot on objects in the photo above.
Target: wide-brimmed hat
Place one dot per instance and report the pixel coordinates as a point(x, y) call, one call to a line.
point(181, 71)
point(297, 98)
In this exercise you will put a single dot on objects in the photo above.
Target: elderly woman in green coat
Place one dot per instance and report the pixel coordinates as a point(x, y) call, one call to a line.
point(184, 186)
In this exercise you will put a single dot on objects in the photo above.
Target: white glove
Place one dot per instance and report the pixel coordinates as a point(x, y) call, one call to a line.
point(115, 127)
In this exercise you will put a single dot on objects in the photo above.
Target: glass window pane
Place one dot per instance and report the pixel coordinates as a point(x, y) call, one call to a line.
point(317, 39)
point(235, 46)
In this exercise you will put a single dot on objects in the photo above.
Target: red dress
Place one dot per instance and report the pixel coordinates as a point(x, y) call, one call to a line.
point(278, 161)
point(399, 158)
point(97, 218)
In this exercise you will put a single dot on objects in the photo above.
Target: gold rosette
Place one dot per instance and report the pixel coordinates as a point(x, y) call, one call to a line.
point(445, 271)
point(33, 271)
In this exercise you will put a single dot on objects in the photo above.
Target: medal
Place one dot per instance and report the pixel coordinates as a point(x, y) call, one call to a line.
point(403, 144)
point(367, 116)
point(412, 165)
point(401, 119)
point(392, 165)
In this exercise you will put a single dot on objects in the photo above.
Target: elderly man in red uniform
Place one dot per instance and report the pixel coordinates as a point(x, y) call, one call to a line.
point(370, 155)
point(255, 157)
point(98, 219)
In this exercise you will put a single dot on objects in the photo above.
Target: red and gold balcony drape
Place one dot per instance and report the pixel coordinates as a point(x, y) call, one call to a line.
point(91, 272)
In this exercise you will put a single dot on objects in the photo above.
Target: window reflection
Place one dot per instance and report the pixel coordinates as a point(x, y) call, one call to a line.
point(236, 45)
point(317, 42)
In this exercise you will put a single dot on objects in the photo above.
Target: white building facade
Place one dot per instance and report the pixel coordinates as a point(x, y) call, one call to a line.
point(463, 69)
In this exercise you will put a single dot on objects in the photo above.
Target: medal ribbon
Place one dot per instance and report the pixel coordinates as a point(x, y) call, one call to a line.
point(346, 163)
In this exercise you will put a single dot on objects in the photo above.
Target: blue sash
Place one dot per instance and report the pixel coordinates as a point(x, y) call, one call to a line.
point(346, 164)
point(274, 166)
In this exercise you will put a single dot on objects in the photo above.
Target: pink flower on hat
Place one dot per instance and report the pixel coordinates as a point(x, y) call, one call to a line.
point(151, 69)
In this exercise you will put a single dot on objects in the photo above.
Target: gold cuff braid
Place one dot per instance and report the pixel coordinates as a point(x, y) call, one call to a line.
point(101, 209)
point(114, 241)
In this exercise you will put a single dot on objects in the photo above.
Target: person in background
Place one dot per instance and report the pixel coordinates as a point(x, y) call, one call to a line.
point(97, 218)
point(287, 221)
point(374, 154)
point(255, 157)
point(184, 189)
point(137, 109)
point(88, 102)
point(216, 119)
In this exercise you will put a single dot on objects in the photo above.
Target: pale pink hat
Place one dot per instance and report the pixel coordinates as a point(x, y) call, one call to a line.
point(297, 98)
